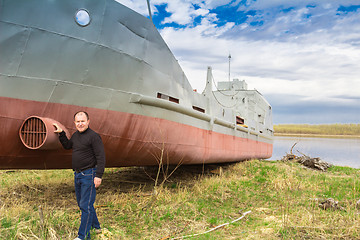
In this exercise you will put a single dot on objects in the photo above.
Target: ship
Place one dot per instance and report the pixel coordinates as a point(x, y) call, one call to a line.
point(99, 56)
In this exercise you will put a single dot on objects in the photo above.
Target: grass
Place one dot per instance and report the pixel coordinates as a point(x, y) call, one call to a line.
point(283, 198)
point(322, 129)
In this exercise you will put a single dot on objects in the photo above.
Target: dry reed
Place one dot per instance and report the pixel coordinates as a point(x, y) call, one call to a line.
point(283, 199)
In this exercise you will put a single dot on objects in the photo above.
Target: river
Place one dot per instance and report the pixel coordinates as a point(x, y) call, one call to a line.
point(337, 151)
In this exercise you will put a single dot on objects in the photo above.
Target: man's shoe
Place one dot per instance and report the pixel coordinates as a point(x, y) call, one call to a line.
point(77, 238)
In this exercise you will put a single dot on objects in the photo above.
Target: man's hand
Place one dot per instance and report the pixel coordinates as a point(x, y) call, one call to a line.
point(57, 128)
point(97, 181)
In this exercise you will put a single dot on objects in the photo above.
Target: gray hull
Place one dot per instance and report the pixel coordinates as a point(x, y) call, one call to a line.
point(120, 70)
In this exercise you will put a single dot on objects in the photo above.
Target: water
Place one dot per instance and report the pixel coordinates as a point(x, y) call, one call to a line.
point(337, 151)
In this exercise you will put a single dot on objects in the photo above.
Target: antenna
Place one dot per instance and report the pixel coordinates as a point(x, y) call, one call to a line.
point(229, 65)
point(149, 9)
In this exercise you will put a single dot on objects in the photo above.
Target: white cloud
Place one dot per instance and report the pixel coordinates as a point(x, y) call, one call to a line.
point(182, 12)
point(268, 4)
point(306, 68)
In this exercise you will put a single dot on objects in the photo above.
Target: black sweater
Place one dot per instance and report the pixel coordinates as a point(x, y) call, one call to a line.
point(88, 150)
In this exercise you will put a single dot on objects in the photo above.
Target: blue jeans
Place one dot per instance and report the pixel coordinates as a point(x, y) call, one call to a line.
point(85, 195)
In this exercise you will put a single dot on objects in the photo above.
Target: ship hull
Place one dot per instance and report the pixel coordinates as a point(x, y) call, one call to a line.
point(129, 139)
point(120, 70)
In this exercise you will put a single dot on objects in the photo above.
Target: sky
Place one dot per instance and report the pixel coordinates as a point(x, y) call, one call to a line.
point(302, 56)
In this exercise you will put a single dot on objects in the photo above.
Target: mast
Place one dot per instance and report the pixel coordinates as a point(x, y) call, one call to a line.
point(229, 65)
point(149, 9)
point(208, 87)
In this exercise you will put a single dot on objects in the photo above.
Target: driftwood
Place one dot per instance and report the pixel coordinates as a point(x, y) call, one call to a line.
point(212, 229)
point(314, 163)
point(331, 204)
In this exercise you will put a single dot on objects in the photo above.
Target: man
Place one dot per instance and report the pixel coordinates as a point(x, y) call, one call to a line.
point(88, 163)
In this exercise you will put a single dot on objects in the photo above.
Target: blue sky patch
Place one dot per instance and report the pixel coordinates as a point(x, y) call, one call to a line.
point(347, 9)
point(160, 15)
point(227, 14)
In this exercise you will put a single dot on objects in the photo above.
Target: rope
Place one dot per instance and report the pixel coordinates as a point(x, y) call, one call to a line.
point(221, 91)
point(227, 95)
point(236, 103)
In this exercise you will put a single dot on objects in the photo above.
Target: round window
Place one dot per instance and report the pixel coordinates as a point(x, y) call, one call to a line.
point(82, 17)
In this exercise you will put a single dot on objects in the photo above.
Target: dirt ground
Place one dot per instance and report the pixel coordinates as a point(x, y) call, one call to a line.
point(136, 177)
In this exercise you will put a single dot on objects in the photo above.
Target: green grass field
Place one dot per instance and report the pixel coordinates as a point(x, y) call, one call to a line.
point(283, 198)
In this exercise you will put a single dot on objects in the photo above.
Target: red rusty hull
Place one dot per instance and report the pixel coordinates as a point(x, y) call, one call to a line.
point(129, 139)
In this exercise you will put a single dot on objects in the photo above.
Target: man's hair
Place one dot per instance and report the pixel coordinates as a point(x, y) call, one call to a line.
point(87, 115)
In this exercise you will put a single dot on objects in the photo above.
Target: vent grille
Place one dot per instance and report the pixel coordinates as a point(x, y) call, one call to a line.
point(33, 133)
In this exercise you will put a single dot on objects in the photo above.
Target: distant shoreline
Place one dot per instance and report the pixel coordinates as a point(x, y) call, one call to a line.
point(315, 135)
point(320, 131)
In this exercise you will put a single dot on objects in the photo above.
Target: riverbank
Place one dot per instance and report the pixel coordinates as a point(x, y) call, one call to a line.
point(321, 130)
point(315, 135)
point(280, 199)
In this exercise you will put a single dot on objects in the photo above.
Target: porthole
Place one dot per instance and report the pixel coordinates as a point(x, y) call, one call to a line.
point(82, 17)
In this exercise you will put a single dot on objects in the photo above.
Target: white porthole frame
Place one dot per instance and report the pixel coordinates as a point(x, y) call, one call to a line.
point(82, 17)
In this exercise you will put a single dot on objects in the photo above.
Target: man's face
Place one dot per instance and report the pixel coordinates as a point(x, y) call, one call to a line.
point(81, 122)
